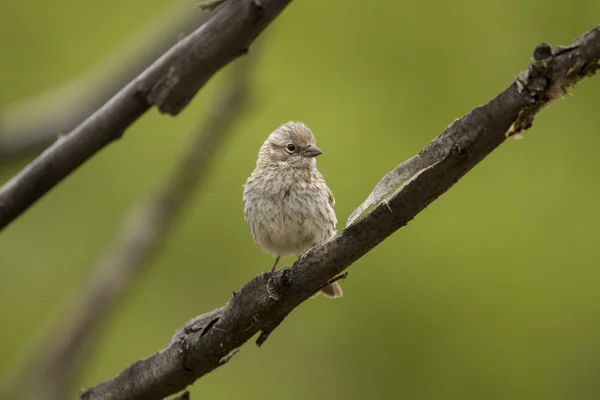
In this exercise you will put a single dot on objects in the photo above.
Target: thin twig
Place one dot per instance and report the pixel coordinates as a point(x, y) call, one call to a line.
point(51, 370)
point(334, 279)
point(261, 304)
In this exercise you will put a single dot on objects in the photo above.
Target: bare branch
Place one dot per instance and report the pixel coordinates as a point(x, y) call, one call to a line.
point(268, 298)
point(34, 123)
point(51, 370)
point(433, 153)
point(169, 84)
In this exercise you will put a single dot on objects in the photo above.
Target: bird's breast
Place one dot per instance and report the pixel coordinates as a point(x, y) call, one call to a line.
point(287, 216)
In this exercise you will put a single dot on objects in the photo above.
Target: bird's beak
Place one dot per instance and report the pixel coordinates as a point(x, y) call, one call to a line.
point(312, 151)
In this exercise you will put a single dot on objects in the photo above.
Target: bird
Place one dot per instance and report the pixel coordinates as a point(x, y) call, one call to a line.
point(287, 204)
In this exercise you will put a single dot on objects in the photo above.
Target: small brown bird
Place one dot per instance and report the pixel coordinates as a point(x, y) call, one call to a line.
point(287, 203)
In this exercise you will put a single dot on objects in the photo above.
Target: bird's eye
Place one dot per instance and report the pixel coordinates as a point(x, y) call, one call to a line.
point(290, 148)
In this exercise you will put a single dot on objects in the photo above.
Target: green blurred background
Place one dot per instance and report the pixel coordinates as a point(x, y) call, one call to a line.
point(490, 293)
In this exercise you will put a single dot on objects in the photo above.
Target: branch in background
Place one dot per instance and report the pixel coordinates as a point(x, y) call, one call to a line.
point(210, 340)
point(169, 84)
point(52, 369)
point(35, 123)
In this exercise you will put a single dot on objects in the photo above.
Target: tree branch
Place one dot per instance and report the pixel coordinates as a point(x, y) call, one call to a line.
point(51, 370)
point(169, 84)
point(207, 342)
point(34, 123)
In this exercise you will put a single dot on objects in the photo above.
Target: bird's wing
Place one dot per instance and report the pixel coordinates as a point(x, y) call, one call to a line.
point(330, 197)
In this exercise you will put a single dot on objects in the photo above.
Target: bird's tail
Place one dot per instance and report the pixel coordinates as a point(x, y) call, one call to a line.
point(332, 290)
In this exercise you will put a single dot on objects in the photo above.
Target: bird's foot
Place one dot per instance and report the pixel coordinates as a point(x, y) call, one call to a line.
point(301, 257)
point(275, 264)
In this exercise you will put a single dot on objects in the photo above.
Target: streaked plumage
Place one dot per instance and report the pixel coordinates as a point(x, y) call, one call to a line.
point(288, 205)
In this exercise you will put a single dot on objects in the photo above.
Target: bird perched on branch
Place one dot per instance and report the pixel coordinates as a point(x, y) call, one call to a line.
point(288, 205)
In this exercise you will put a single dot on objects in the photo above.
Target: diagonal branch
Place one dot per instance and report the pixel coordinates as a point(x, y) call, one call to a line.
point(52, 368)
point(35, 123)
point(208, 341)
point(169, 84)
point(531, 84)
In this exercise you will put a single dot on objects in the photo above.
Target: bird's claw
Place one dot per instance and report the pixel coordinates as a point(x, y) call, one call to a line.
point(301, 257)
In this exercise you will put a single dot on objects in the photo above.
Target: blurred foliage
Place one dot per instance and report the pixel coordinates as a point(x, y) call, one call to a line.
point(492, 292)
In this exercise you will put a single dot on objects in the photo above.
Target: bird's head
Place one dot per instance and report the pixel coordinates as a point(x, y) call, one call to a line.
point(290, 145)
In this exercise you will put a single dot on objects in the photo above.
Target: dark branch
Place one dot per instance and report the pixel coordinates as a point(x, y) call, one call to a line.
point(268, 298)
point(51, 370)
point(34, 123)
point(169, 84)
